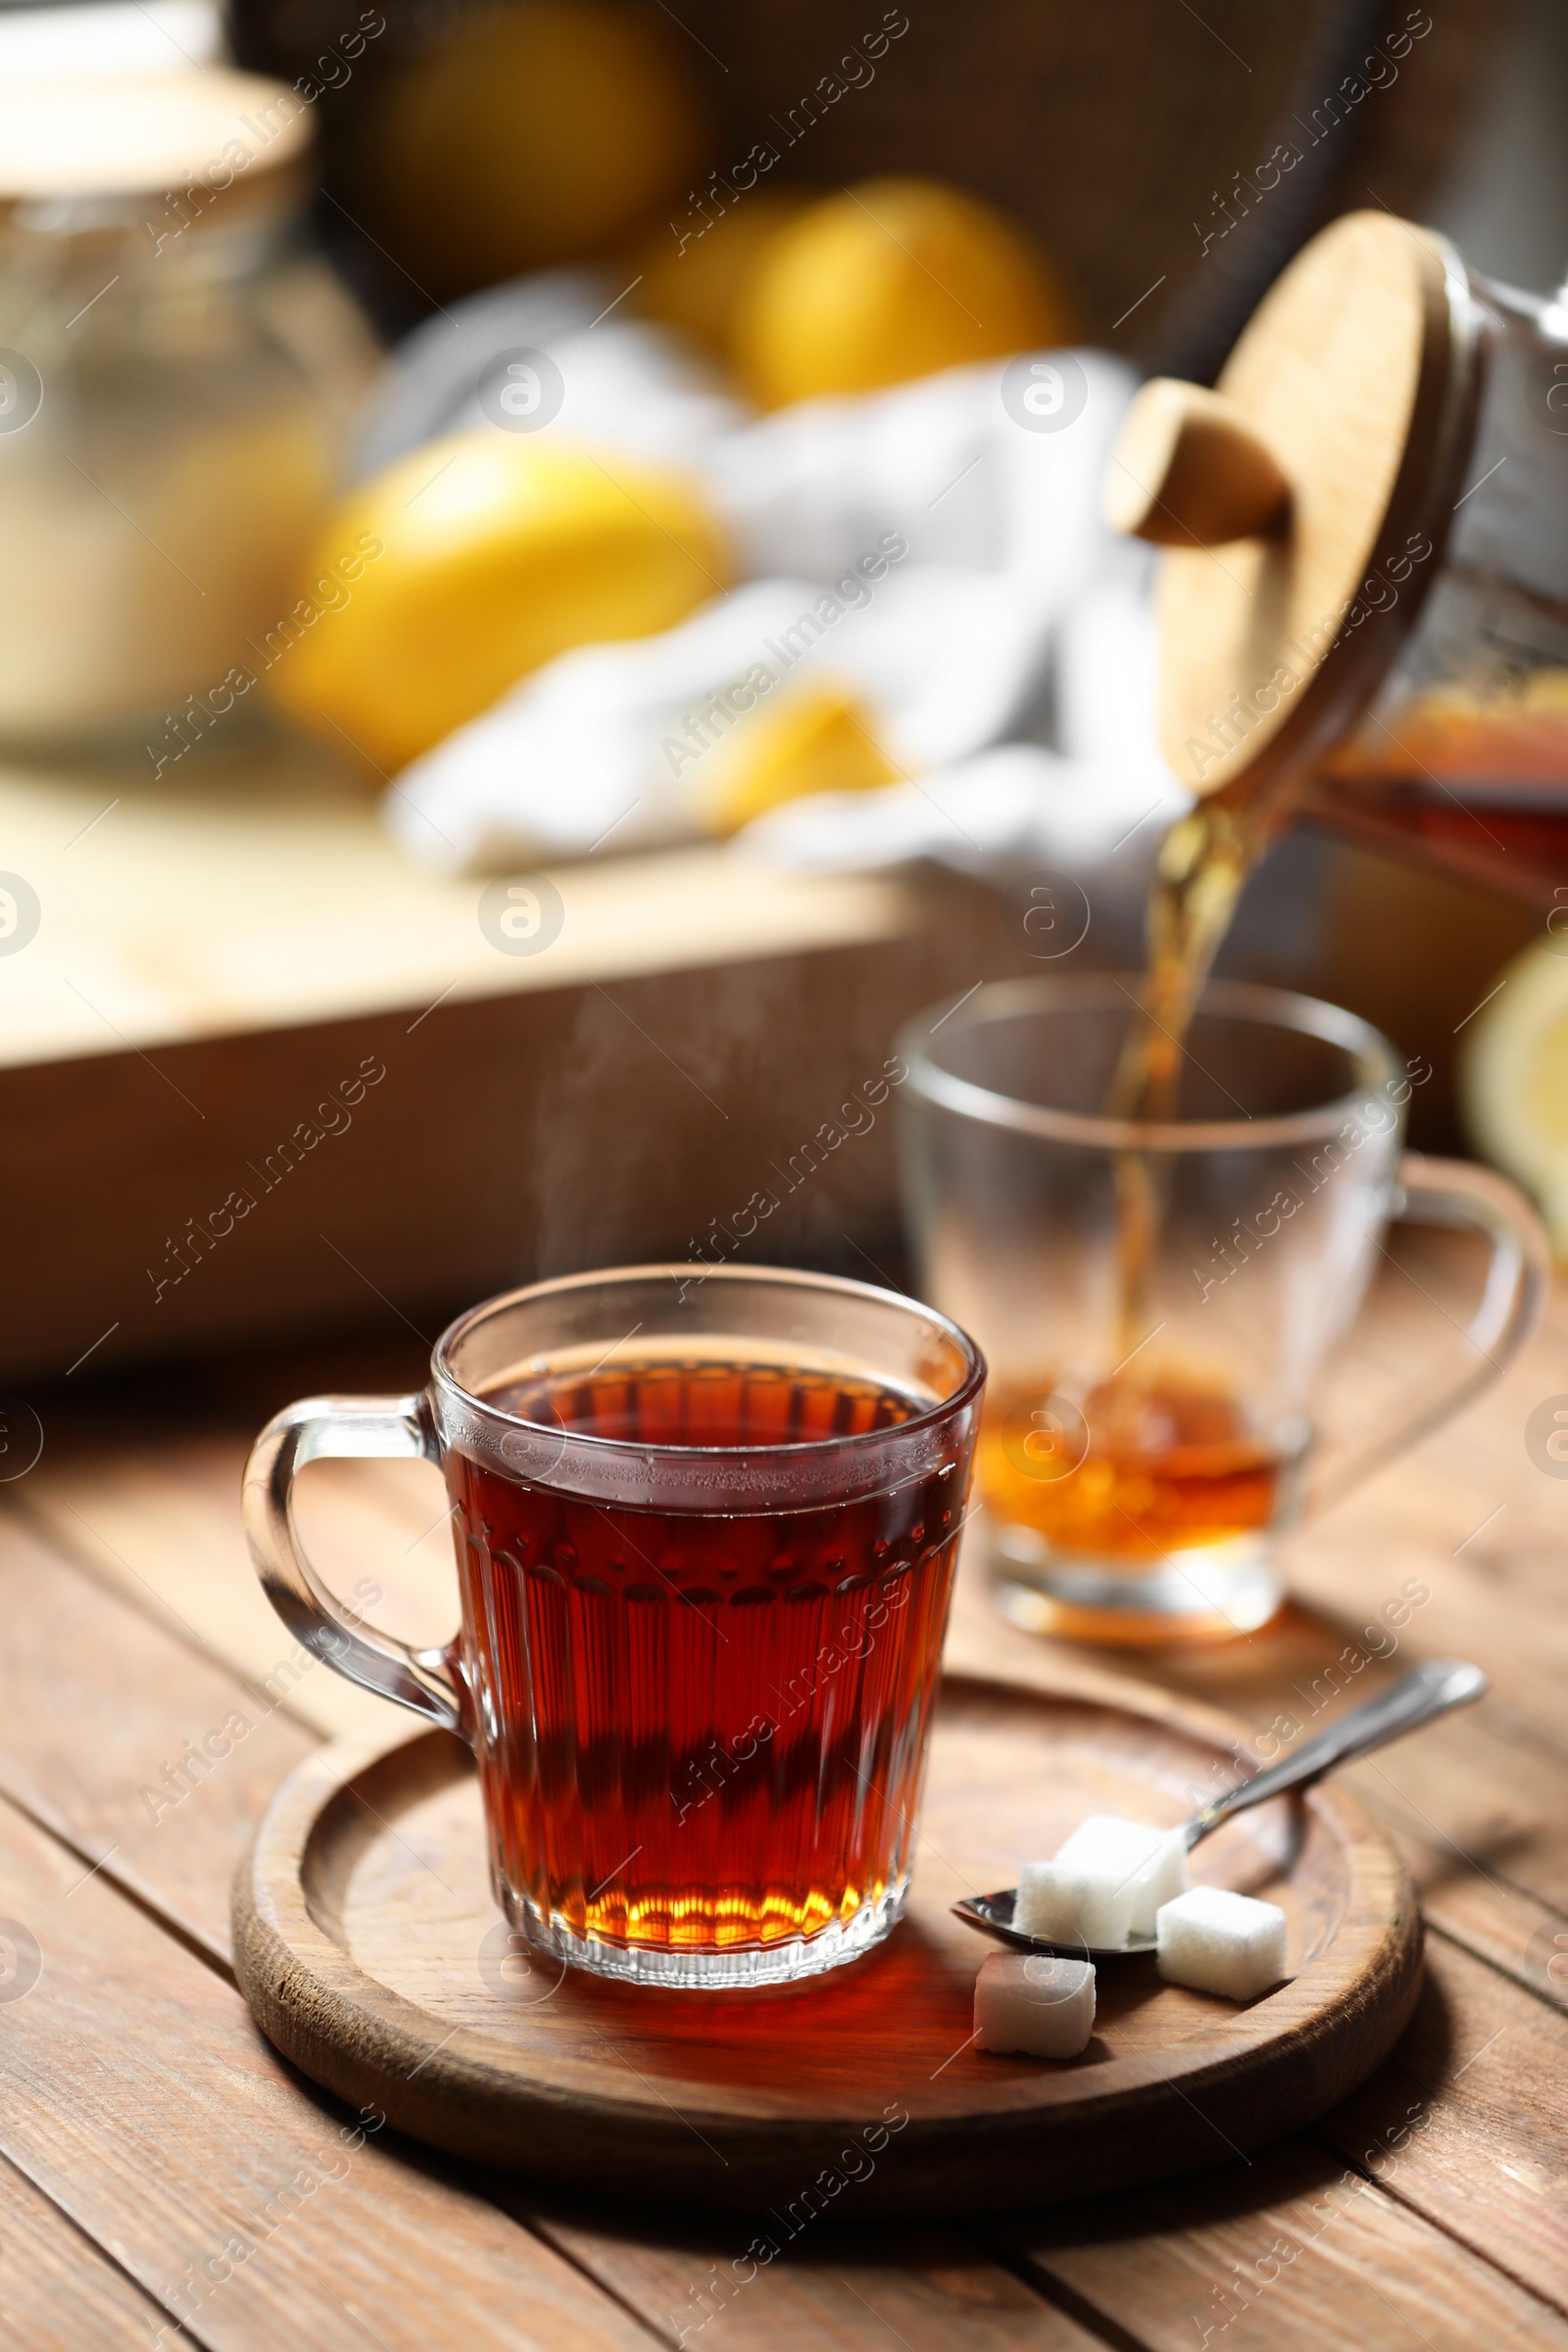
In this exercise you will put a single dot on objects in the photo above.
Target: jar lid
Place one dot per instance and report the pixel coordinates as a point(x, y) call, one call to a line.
point(1300, 505)
point(139, 134)
point(95, 37)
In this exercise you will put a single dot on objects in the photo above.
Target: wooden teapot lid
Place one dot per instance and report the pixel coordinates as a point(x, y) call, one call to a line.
point(1300, 504)
point(141, 134)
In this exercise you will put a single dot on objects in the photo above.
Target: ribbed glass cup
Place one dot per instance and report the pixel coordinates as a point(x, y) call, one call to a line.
point(701, 1674)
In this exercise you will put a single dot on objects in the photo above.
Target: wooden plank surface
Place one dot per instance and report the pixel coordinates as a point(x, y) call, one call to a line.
point(1478, 2083)
point(1296, 2254)
point(182, 1754)
point(163, 1528)
point(853, 2290)
point(265, 892)
point(59, 2292)
point(124, 1595)
point(140, 2100)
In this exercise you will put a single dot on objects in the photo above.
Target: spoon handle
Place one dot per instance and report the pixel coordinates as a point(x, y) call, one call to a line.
point(1415, 1698)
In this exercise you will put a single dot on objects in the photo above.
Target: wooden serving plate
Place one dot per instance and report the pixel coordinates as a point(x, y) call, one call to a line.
point(370, 1949)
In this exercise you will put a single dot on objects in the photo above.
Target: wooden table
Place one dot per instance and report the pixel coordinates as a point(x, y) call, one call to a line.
point(163, 2176)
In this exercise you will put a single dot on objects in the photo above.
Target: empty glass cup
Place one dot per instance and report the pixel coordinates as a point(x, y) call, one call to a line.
point(1156, 1303)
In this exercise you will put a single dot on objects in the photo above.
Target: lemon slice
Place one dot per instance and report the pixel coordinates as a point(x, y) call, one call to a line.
point(1513, 1079)
point(818, 736)
point(469, 562)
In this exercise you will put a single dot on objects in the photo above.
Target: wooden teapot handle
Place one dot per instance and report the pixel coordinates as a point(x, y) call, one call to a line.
point(1189, 470)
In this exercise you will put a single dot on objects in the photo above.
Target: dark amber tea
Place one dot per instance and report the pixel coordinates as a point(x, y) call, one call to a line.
point(704, 1729)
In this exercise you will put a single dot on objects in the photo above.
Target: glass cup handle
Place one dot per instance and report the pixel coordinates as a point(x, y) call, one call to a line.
point(1453, 1193)
point(358, 1428)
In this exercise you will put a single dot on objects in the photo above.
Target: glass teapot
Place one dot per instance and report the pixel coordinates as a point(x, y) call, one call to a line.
point(1363, 598)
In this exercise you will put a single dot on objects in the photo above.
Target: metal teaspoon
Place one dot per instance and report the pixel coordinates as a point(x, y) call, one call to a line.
point(1417, 1697)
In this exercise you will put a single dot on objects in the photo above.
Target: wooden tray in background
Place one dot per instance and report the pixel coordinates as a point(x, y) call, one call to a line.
point(367, 1945)
point(226, 960)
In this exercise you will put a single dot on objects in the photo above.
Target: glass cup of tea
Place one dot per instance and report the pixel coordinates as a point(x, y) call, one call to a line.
point(706, 1522)
point(1157, 1301)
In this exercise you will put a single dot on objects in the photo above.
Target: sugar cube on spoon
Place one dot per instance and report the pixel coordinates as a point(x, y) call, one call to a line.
point(1216, 1942)
point(1034, 2004)
point(1104, 1886)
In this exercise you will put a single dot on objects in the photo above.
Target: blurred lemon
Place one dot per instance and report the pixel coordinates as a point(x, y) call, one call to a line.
point(543, 131)
point(891, 281)
point(817, 737)
point(1513, 1078)
point(700, 285)
point(469, 562)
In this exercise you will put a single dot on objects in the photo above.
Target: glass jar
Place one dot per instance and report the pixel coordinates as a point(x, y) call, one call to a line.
point(176, 382)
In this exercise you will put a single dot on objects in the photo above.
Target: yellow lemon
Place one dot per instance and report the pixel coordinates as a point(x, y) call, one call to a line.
point(545, 131)
point(893, 279)
point(470, 562)
point(699, 285)
point(817, 737)
point(1513, 1078)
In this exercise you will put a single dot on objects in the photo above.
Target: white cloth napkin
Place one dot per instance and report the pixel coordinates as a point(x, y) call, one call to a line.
point(624, 383)
point(1103, 792)
point(925, 547)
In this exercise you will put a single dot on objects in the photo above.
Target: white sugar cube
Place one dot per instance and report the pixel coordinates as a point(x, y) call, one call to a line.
point(1043, 2007)
point(1216, 1942)
point(1152, 1863)
point(1104, 1887)
point(1062, 1905)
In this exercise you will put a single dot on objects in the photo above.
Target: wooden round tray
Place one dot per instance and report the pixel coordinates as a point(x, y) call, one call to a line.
point(370, 1949)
